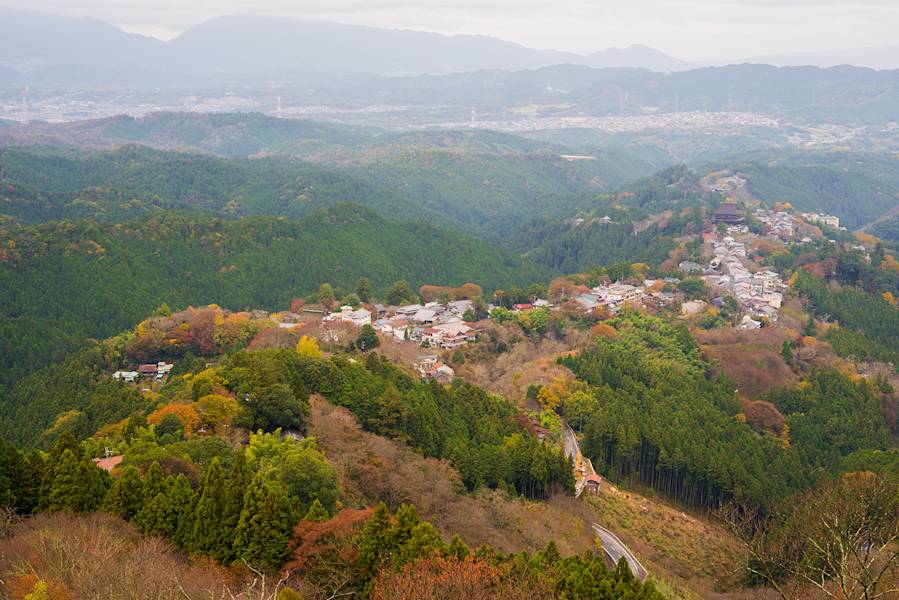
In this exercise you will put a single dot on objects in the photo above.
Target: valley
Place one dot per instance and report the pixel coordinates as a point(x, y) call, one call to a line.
point(448, 318)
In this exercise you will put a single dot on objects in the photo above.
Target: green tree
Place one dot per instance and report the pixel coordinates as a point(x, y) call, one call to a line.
point(400, 293)
point(326, 294)
point(368, 338)
point(352, 300)
point(153, 486)
point(77, 486)
point(182, 501)
point(210, 531)
point(125, 497)
point(272, 407)
point(19, 479)
point(786, 351)
point(158, 516)
point(135, 424)
point(316, 513)
point(264, 529)
point(170, 429)
point(363, 289)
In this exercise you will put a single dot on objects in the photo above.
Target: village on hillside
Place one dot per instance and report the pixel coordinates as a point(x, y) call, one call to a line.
point(728, 276)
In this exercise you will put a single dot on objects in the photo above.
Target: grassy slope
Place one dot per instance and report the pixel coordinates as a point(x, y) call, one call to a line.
point(689, 556)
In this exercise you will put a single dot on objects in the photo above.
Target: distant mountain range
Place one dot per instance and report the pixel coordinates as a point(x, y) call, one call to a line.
point(251, 44)
point(37, 48)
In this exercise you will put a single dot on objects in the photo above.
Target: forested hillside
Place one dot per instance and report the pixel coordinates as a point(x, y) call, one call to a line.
point(481, 186)
point(888, 229)
point(41, 184)
point(64, 282)
point(858, 198)
point(654, 414)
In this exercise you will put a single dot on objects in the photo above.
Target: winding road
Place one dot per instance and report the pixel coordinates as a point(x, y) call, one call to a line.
point(613, 547)
point(616, 550)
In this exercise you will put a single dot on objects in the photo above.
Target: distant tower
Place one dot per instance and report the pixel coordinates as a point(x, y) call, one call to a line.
point(474, 115)
point(278, 110)
point(25, 118)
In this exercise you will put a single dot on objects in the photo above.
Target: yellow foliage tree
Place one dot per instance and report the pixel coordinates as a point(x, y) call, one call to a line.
point(216, 410)
point(308, 347)
point(548, 399)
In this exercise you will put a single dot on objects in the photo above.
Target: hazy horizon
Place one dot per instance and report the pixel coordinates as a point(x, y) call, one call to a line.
point(694, 30)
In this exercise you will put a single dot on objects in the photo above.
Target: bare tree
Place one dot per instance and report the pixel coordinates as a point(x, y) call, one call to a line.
point(840, 539)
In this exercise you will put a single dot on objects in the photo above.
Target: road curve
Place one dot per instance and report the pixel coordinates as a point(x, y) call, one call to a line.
point(615, 550)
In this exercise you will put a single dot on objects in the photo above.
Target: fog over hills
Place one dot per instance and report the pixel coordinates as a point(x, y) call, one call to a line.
point(35, 43)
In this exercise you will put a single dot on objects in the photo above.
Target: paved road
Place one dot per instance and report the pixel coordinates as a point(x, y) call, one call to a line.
point(615, 549)
point(611, 545)
point(569, 442)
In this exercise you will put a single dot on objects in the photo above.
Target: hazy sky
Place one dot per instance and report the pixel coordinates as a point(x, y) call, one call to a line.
point(689, 29)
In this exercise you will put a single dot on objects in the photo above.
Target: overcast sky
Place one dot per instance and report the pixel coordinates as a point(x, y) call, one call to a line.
point(689, 29)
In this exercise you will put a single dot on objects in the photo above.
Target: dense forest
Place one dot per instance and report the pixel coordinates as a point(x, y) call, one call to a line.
point(887, 229)
point(68, 281)
point(470, 182)
point(574, 248)
point(857, 198)
point(49, 184)
point(868, 315)
point(654, 414)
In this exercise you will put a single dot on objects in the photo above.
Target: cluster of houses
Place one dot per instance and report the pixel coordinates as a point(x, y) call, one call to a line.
point(152, 371)
point(760, 294)
point(777, 223)
point(347, 314)
point(613, 296)
point(433, 324)
point(430, 367)
point(822, 219)
point(724, 185)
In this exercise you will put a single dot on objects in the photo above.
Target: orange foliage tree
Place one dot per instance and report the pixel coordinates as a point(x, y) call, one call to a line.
point(185, 412)
point(317, 543)
point(20, 586)
point(452, 579)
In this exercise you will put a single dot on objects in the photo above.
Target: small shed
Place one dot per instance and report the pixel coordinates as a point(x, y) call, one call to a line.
point(592, 483)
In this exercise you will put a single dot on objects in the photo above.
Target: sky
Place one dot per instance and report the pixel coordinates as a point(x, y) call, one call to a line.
point(687, 29)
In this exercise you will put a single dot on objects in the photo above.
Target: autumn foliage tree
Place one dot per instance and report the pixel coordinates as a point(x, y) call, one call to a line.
point(186, 413)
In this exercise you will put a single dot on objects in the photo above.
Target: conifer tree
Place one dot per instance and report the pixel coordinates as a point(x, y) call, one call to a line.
point(183, 501)
point(265, 526)
point(151, 512)
point(316, 513)
point(235, 489)
point(363, 289)
point(77, 484)
point(125, 497)
point(210, 532)
point(66, 441)
point(157, 517)
point(374, 537)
